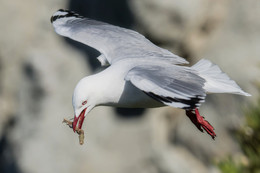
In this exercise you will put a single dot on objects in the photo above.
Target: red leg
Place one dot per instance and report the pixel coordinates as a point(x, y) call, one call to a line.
point(200, 122)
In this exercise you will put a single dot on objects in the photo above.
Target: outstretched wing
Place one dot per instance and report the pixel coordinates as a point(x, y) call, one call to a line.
point(173, 85)
point(114, 43)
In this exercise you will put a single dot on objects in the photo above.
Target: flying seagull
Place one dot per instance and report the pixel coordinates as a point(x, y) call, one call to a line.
point(139, 73)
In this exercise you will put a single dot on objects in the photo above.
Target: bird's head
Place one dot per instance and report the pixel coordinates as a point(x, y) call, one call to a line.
point(82, 102)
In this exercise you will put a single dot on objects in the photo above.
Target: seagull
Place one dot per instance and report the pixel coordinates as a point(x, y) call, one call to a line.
point(139, 74)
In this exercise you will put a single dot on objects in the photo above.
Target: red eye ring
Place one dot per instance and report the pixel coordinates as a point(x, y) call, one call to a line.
point(85, 102)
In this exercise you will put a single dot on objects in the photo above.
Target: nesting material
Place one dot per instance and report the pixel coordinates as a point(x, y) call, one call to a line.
point(80, 132)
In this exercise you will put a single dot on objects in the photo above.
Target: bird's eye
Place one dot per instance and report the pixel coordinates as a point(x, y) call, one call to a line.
point(85, 102)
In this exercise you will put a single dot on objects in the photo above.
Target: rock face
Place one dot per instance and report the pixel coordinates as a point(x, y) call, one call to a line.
point(39, 70)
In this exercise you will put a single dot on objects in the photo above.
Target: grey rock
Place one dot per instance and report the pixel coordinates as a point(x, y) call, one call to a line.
point(39, 70)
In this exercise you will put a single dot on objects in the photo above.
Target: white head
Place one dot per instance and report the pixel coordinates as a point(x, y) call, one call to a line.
point(83, 100)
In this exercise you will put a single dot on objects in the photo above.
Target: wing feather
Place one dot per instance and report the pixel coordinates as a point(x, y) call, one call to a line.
point(173, 85)
point(113, 42)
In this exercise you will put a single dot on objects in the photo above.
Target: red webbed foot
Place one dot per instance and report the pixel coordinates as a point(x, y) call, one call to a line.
point(200, 122)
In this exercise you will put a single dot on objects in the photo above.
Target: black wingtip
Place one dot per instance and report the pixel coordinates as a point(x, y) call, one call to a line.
point(66, 13)
point(191, 102)
point(62, 10)
point(52, 19)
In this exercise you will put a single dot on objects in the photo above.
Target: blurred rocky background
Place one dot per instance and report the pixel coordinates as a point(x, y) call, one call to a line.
point(39, 70)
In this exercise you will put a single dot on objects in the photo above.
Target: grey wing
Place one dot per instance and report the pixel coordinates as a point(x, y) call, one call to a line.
point(173, 85)
point(114, 43)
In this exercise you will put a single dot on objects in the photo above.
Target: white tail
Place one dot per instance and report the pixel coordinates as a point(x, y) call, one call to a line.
point(216, 80)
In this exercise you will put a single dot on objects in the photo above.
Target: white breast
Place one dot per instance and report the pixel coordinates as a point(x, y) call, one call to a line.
point(115, 91)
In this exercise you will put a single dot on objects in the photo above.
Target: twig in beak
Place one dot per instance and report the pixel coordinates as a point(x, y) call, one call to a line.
point(80, 132)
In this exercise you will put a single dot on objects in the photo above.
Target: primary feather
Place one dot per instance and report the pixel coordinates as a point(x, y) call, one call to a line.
point(113, 42)
point(141, 74)
point(137, 65)
point(172, 85)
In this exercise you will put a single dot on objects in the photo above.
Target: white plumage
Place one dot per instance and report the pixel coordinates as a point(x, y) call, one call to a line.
point(216, 80)
point(140, 74)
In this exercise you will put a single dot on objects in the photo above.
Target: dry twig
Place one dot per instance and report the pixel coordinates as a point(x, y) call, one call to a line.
point(80, 132)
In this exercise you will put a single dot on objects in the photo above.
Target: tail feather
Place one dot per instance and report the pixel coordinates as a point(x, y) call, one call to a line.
point(216, 80)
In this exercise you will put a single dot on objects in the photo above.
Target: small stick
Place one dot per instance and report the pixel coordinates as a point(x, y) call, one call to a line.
point(80, 132)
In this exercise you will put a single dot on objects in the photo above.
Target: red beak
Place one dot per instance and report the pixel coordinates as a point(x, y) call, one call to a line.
point(80, 118)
